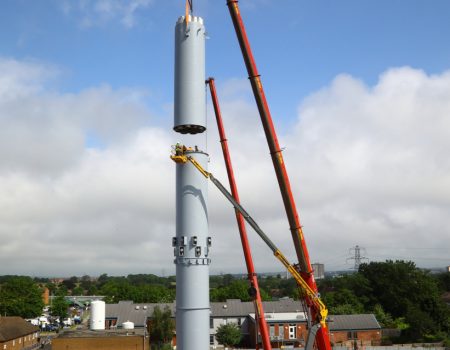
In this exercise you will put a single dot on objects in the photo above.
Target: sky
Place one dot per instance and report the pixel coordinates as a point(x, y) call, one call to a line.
point(360, 96)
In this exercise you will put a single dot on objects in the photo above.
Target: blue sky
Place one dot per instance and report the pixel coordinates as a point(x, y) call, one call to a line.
point(359, 92)
point(299, 45)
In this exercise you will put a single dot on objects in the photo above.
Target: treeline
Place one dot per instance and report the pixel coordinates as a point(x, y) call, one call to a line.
point(140, 288)
point(398, 293)
point(225, 287)
point(153, 289)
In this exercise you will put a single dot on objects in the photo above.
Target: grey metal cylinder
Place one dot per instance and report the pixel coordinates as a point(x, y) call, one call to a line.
point(191, 249)
point(190, 109)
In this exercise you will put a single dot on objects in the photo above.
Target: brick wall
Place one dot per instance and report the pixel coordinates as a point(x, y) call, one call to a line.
point(100, 343)
point(370, 337)
point(281, 331)
point(20, 343)
point(367, 337)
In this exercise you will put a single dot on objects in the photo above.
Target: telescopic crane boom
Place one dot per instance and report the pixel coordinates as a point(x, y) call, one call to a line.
point(306, 272)
point(251, 275)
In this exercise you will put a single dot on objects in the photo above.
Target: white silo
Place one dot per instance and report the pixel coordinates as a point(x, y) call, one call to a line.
point(128, 325)
point(97, 315)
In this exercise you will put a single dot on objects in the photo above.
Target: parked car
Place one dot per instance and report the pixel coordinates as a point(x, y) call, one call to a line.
point(51, 328)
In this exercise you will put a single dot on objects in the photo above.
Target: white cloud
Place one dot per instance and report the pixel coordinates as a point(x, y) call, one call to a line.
point(20, 79)
point(59, 197)
point(45, 132)
point(372, 162)
point(93, 13)
point(368, 166)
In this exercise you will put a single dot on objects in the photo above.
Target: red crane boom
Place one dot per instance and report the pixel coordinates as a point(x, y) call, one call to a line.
point(322, 337)
point(254, 287)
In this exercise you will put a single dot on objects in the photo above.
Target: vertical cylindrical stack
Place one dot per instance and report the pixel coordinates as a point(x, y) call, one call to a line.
point(190, 108)
point(97, 321)
point(192, 242)
point(191, 248)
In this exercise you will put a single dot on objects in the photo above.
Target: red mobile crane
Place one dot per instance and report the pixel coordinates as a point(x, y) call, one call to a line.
point(254, 288)
point(304, 264)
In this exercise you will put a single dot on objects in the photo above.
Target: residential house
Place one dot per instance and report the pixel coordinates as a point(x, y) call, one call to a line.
point(16, 333)
point(243, 314)
point(354, 330)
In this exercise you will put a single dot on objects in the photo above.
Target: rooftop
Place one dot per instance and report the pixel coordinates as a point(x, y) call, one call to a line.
point(15, 327)
point(138, 313)
point(282, 316)
point(353, 322)
point(275, 311)
point(87, 333)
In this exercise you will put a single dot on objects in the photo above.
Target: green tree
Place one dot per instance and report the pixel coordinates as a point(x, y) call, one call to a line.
point(228, 334)
point(356, 283)
point(384, 318)
point(59, 307)
point(85, 282)
point(444, 281)
point(421, 325)
point(62, 290)
point(238, 289)
point(398, 293)
point(343, 302)
point(71, 282)
point(92, 290)
point(146, 279)
point(289, 288)
point(227, 279)
point(153, 294)
point(41, 280)
point(102, 279)
point(78, 291)
point(162, 326)
point(406, 291)
point(397, 284)
point(51, 287)
point(116, 289)
point(264, 295)
point(20, 296)
point(215, 281)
